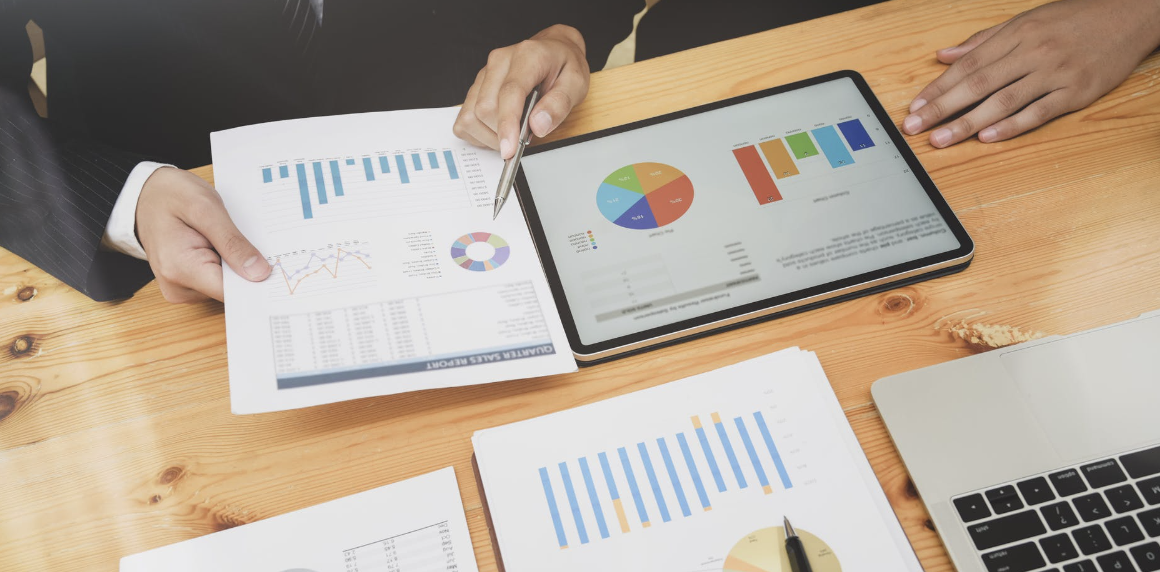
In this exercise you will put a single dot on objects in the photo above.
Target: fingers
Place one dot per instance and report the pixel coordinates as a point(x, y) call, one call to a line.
point(970, 89)
point(191, 276)
point(569, 89)
point(1041, 111)
point(209, 217)
point(952, 54)
point(966, 65)
point(1002, 104)
point(532, 64)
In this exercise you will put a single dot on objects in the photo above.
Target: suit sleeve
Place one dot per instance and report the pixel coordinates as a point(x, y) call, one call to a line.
point(57, 190)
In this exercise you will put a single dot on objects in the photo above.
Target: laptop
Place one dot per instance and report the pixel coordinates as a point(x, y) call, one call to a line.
point(1043, 456)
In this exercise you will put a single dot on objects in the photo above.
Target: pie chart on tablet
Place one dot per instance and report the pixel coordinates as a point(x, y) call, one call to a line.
point(642, 196)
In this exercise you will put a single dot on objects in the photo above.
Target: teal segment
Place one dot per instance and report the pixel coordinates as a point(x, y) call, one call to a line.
point(615, 201)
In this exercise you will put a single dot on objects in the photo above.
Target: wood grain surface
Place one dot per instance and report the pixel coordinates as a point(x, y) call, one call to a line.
point(115, 428)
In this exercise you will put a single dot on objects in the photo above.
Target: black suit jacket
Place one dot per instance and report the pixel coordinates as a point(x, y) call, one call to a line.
point(131, 80)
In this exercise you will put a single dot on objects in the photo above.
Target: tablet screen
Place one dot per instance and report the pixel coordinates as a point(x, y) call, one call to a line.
point(676, 220)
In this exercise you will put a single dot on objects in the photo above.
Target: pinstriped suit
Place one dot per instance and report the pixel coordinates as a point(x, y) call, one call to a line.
point(133, 80)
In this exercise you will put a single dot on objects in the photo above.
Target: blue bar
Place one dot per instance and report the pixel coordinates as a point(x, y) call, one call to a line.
point(283, 171)
point(337, 178)
point(731, 455)
point(572, 502)
point(418, 163)
point(752, 452)
point(433, 159)
point(635, 490)
point(449, 159)
point(588, 484)
point(267, 175)
point(693, 471)
point(652, 481)
point(712, 459)
point(673, 476)
point(772, 450)
point(304, 191)
point(320, 182)
point(832, 146)
point(350, 161)
point(608, 476)
point(384, 164)
point(369, 168)
point(403, 178)
point(856, 134)
point(552, 507)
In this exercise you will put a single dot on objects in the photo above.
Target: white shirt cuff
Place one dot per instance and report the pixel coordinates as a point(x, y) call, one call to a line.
point(121, 232)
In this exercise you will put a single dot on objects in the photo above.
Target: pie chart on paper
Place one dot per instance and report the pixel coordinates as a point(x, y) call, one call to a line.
point(764, 551)
point(644, 196)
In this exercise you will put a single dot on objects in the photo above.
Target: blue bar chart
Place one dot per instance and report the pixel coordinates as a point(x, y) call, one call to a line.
point(322, 182)
point(661, 476)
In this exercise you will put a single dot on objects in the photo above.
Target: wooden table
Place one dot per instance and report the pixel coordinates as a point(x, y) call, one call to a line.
point(115, 428)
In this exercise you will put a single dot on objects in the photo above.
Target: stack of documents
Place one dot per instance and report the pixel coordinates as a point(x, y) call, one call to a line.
point(694, 475)
point(415, 525)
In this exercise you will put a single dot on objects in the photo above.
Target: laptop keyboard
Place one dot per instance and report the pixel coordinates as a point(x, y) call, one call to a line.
point(1102, 516)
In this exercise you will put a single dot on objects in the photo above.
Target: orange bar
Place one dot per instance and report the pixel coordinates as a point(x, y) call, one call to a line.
point(620, 514)
point(696, 422)
point(758, 176)
point(768, 489)
point(779, 159)
point(716, 418)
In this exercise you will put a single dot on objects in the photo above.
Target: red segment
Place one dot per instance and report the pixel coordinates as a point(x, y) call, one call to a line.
point(758, 176)
point(671, 200)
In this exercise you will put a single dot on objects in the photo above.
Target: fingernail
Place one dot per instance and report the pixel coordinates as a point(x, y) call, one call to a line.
point(505, 148)
point(912, 124)
point(541, 123)
point(941, 137)
point(917, 104)
point(988, 135)
point(948, 50)
point(253, 269)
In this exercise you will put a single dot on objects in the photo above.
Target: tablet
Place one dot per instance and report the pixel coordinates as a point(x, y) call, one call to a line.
point(731, 212)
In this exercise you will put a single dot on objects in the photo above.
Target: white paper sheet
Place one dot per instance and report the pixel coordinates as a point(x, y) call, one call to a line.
point(415, 525)
point(631, 483)
point(389, 273)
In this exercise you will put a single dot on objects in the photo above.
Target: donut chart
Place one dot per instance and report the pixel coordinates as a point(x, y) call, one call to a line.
point(462, 258)
point(764, 551)
point(643, 196)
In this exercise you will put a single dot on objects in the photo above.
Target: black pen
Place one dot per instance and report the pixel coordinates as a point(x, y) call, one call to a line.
point(794, 549)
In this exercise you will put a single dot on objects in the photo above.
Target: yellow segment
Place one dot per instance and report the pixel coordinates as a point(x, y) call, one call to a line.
point(764, 551)
point(716, 418)
point(708, 508)
point(768, 489)
point(620, 515)
point(645, 524)
point(696, 422)
point(653, 176)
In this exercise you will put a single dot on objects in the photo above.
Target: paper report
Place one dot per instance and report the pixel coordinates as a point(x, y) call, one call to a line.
point(389, 274)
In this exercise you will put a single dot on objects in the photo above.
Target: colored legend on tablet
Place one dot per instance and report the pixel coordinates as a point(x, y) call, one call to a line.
point(645, 196)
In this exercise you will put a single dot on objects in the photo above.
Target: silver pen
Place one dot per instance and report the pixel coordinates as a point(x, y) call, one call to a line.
point(508, 177)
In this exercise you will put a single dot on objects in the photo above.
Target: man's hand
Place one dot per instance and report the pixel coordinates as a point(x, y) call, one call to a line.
point(552, 59)
point(186, 233)
point(1046, 62)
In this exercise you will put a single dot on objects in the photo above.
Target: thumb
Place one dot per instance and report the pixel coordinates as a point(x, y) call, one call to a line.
point(566, 91)
point(231, 245)
point(952, 54)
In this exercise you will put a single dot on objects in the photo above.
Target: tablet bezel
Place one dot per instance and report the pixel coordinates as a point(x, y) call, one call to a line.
point(767, 308)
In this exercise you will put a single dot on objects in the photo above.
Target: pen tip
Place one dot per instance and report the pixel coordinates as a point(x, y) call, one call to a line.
point(789, 531)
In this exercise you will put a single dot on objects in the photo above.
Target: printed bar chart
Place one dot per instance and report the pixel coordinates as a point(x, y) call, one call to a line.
point(330, 178)
point(660, 476)
point(758, 176)
point(779, 159)
point(832, 146)
point(855, 134)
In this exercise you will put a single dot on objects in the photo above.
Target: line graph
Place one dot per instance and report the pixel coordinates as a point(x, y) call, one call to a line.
point(331, 269)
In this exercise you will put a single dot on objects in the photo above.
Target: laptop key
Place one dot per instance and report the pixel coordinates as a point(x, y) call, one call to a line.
point(1124, 530)
point(1004, 499)
point(1091, 507)
point(1151, 521)
point(1067, 482)
point(1115, 562)
point(1091, 539)
point(1059, 515)
point(1058, 548)
point(1020, 558)
point(1150, 488)
point(1103, 473)
point(1082, 566)
point(1036, 491)
point(972, 508)
point(1123, 499)
point(1142, 463)
point(1005, 530)
point(1147, 556)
